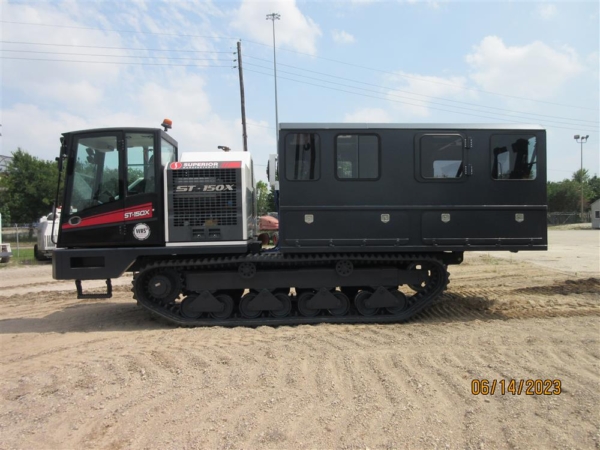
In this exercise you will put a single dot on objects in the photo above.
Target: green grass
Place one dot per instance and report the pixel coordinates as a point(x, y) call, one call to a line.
point(22, 257)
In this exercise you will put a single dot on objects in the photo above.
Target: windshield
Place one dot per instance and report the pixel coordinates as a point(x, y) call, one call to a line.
point(96, 174)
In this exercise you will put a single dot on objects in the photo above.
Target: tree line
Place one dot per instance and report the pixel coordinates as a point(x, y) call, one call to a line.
point(28, 189)
point(565, 195)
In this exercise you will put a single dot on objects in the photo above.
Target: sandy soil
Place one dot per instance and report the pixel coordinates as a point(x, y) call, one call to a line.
point(103, 374)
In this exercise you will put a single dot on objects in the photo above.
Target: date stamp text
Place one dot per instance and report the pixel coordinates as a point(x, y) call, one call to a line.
point(516, 387)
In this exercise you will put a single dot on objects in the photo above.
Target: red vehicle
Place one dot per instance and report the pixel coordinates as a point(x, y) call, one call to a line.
point(269, 227)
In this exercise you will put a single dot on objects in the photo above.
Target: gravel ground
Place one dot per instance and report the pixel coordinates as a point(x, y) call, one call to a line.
point(103, 374)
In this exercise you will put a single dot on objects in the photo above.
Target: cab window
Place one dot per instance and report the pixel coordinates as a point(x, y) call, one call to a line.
point(96, 172)
point(141, 177)
point(167, 152)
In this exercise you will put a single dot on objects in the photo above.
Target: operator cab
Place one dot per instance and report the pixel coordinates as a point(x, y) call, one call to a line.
point(114, 186)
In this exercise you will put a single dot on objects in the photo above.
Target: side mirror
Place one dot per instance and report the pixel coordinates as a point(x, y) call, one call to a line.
point(63, 146)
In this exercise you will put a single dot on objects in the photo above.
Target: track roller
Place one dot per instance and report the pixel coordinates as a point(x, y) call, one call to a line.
point(311, 303)
point(368, 303)
point(253, 304)
point(219, 306)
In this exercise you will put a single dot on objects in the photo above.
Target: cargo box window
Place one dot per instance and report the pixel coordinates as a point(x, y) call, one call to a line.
point(514, 157)
point(302, 152)
point(442, 156)
point(357, 156)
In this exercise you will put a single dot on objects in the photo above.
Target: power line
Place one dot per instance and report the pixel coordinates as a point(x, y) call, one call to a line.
point(108, 30)
point(118, 56)
point(427, 103)
point(427, 80)
point(267, 60)
point(260, 126)
point(291, 73)
point(411, 93)
point(291, 79)
point(395, 101)
point(113, 62)
point(306, 54)
point(117, 48)
point(513, 113)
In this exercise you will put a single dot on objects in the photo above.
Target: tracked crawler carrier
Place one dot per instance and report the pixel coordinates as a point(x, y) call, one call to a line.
point(363, 209)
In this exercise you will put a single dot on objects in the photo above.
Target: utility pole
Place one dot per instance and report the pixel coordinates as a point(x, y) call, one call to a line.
point(239, 54)
point(274, 17)
point(581, 139)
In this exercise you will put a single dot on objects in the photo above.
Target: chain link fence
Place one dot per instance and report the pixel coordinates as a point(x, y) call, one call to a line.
point(565, 218)
point(22, 233)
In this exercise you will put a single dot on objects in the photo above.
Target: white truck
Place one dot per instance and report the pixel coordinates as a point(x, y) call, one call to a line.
point(45, 240)
point(5, 252)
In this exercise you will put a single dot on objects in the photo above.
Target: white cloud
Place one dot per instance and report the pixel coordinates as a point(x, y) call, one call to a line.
point(54, 79)
point(41, 128)
point(414, 91)
point(534, 70)
point(294, 30)
point(368, 115)
point(47, 98)
point(342, 37)
point(547, 11)
point(184, 98)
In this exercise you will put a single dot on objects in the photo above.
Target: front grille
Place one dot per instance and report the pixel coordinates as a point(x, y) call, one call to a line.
point(197, 208)
point(48, 241)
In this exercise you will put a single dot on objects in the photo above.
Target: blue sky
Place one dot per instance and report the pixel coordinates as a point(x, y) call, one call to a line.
point(134, 63)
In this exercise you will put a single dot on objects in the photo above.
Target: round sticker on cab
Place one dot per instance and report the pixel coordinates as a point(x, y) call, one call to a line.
point(141, 231)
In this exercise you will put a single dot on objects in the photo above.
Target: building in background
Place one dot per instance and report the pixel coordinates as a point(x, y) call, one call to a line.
point(595, 213)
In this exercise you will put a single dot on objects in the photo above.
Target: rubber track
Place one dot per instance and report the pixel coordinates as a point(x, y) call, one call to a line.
point(418, 302)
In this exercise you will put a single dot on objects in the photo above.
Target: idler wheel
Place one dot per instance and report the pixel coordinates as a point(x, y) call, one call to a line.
point(302, 305)
point(228, 305)
point(164, 286)
point(286, 306)
point(402, 300)
point(419, 287)
point(244, 302)
point(342, 310)
point(359, 302)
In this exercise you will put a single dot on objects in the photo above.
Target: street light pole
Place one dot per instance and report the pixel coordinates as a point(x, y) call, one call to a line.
point(581, 139)
point(274, 17)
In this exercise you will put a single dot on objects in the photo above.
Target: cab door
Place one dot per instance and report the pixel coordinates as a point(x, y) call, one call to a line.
point(93, 213)
point(142, 174)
